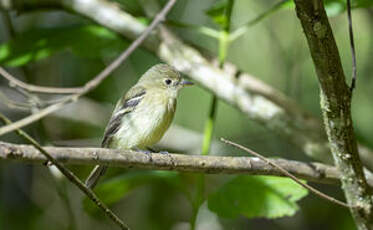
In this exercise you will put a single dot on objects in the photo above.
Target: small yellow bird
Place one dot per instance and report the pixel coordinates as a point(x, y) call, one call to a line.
point(143, 114)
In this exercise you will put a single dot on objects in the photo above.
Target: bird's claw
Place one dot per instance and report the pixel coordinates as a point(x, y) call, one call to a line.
point(147, 152)
point(164, 152)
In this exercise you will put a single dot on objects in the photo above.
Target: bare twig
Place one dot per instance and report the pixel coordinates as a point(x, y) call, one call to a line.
point(33, 100)
point(352, 45)
point(287, 173)
point(69, 175)
point(95, 81)
point(14, 82)
point(14, 104)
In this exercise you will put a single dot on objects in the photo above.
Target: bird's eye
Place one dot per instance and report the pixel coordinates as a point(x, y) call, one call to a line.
point(168, 81)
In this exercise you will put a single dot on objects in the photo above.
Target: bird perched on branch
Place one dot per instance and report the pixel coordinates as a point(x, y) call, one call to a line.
point(143, 114)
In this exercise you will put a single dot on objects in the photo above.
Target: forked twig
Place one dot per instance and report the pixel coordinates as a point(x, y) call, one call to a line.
point(285, 172)
point(96, 80)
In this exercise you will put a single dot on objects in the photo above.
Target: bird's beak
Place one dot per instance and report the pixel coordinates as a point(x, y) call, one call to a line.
point(186, 83)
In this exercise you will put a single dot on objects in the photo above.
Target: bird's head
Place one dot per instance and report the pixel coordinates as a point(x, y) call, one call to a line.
point(163, 77)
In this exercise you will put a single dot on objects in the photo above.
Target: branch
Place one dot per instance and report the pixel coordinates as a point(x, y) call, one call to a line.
point(259, 101)
point(288, 174)
point(14, 82)
point(352, 45)
point(33, 100)
point(96, 80)
point(13, 104)
point(336, 108)
point(315, 172)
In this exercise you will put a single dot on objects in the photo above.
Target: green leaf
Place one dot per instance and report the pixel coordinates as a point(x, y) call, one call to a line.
point(364, 3)
point(335, 7)
point(84, 40)
point(210, 32)
point(257, 196)
point(113, 190)
point(260, 17)
point(217, 13)
point(132, 7)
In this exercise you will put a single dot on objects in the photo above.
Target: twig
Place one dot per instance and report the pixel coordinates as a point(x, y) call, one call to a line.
point(69, 175)
point(244, 28)
point(285, 172)
point(210, 124)
point(352, 45)
point(14, 104)
point(23, 86)
point(33, 99)
point(14, 82)
point(95, 81)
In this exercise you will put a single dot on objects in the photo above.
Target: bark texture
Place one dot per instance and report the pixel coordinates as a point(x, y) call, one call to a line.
point(336, 108)
point(315, 172)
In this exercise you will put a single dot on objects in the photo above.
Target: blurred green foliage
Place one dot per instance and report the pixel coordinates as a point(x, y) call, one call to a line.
point(62, 49)
point(257, 196)
point(118, 187)
point(89, 41)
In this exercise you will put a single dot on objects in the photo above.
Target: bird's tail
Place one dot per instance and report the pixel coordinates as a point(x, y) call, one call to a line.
point(95, 175)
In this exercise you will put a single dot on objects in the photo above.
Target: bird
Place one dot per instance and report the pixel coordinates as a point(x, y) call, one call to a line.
point(143, 114)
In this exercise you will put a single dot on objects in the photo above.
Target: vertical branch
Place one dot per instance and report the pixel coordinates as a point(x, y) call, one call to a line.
point(352, 45)
point(336, 108)
point(222, 54)
point(210, 123)
point(209, 126)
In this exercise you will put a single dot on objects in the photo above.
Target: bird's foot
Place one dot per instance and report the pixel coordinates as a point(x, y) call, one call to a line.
point(164, 152)
point(154, 151)
point(145, 151)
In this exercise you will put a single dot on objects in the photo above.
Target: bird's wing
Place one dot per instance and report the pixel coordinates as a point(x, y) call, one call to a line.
point(124, 106)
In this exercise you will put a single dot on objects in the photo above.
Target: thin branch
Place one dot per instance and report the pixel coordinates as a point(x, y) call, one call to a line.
point(14, 82)
point(33, 100)
point(211, 123)
point(69, 175)
point(352, 45)
point(96, 80)
point(14, 104)
point(244, 28)
point(288, 174)
point(26, 88)
point(314, 172)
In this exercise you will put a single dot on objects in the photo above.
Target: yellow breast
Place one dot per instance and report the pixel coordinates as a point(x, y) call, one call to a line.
point(147, 124)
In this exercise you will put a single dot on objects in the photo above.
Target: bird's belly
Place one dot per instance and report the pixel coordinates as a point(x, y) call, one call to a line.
point(143, 127)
